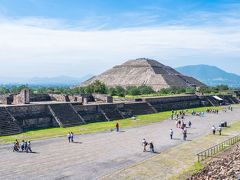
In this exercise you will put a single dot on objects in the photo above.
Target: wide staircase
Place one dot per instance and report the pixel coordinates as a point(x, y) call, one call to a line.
point(111, 112)
point(90, 113)
point(212, 101)
point(231, 99)
point(7, 124)
point(65, 115)
point(138, 108)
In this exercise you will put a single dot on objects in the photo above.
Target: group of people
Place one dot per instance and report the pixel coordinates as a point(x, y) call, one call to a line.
point(178, 115)
point(215, 111)
point(214, 129)
point(70, 137)
point(24, 146)
point(145, 144)
point(201, 114)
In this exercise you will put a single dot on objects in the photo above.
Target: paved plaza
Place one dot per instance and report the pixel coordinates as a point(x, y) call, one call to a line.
point(95, 155)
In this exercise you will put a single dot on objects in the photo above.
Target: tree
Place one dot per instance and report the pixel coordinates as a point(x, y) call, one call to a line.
point(112, 91)
point(120, 91)
point(98, 87)
point(146, 90)
point(133, 90)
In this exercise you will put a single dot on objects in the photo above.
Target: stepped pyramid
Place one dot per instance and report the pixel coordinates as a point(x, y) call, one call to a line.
point(147, 72)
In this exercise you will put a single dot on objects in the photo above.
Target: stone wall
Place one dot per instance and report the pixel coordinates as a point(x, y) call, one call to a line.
point(103, 97)
point(6, 99)
point(59, 97)
point(39, 97)
point(22, 98)
point(32, 116)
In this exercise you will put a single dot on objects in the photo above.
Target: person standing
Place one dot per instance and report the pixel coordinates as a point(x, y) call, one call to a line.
point(117, 127)
point(213, 130)
point(171, 133)
point(185, 134)
point(22, 145)
point(220, 130)
point(144, 143)
point(71, 136)
point(151, 146)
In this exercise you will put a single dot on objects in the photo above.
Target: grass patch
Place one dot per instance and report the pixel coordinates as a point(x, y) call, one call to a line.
point(187, 173)
point(92, 127)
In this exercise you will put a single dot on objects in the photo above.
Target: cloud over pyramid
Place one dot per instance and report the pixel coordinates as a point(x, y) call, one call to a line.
point(144, 71)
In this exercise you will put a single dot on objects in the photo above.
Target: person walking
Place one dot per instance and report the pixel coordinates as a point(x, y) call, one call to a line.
point(22, 145)
point(29, 148)
point(171, 133)
point(189, 124)
point(117, 127)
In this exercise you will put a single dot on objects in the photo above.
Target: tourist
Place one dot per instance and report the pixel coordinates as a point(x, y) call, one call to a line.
point(144, 143)
point(176, 123)
point(15, 147)
point(17, 144)
point(69, 137)
point(213, 130)
point(189, 124)
point(185, 134)
point(171, 133)
point(25, 145)
point(179, 124)
point(29, 149)
point(151, 147)
point(220, 130)
point(117, 127)
point(22, 145)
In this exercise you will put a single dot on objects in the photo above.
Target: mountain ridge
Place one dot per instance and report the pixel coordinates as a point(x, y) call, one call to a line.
point(210, 75)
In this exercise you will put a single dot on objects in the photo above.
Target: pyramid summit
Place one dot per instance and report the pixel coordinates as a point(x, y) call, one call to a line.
point(146, 72)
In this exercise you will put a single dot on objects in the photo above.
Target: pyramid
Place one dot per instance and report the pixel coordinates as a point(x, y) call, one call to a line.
point(146, 72)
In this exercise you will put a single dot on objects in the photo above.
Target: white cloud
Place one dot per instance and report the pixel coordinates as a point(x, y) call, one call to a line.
point(30, 47)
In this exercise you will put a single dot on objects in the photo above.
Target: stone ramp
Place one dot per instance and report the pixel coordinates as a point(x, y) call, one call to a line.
point(138, 108)
point(65, 115)
point(7, 124)
point(111, 112)
point(212, 101)
point(90, 113)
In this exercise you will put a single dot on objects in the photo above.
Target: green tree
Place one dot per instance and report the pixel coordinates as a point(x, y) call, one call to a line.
point(120, 91)
point(133, 90)
point(146, 90)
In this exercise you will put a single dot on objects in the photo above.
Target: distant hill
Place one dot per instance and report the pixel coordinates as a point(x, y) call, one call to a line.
point(211, 75)
point(46, 81)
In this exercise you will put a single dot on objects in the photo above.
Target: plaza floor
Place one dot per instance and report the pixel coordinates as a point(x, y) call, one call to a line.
point(95, 155)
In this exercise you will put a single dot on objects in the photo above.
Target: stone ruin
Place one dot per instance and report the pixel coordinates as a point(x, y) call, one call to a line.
point(22, 98)
point(25, 97)
point(224, 166)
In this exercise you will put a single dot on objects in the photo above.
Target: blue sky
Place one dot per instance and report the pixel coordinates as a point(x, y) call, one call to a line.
point(79, 37)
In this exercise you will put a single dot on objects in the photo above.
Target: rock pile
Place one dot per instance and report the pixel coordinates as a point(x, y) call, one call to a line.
point(225, 166)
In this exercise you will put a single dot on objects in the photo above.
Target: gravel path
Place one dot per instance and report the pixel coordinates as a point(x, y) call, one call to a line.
point(98, 154)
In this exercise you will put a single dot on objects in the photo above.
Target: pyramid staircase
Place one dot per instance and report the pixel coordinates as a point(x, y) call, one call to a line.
point(8, 125)
point(65, 115)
